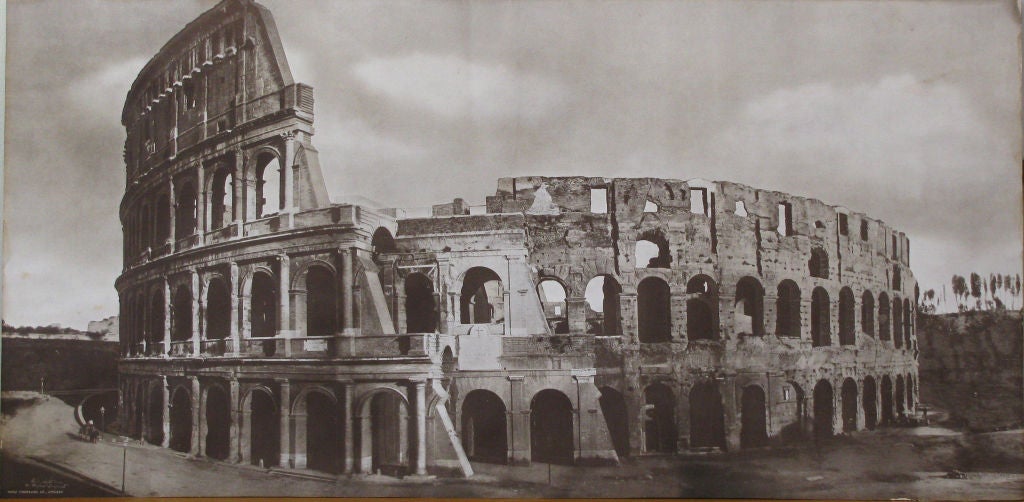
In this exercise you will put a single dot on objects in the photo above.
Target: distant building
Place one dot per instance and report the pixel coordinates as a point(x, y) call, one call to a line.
point(109, 326)
point(261, 323)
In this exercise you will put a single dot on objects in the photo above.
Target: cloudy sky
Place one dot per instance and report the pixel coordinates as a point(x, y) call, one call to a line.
point(906, 110)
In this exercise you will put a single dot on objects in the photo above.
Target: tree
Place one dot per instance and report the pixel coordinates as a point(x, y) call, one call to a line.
point(959, 291)
point(976, 289)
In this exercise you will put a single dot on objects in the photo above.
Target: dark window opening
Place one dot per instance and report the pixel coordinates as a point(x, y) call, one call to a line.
point(420, 306)
point(484, 427)
point(821, 335)
point(552, 300)
point(182, 328)
point(551, 428)
point(223, 205)
point(787, 306)
point(867, 313)
point(321, 302)
point(659, 419)
point(707, 416)
point(897, 283)
point(870, 405)
point(701, 308)
point(218, 423)
point(823, 398)
point(602, 295)
point(754, 422)
point(818, 264)
point(269, 185)
point(482, 300)
point(185, 218)
point(847, 321)
point(848, 395)
point(613, 407)
point(263, 312)
point(884, 330)
point(218, 310)
point(749, 307)
point(844, 224)
point(863, 230)
point(654, 320)
point(897, 319)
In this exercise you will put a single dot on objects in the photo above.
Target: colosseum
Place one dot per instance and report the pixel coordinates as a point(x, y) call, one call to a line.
point(574, 320)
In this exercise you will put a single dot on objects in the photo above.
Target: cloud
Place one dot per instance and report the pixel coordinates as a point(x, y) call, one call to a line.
point(452, 87)
point(93, 92)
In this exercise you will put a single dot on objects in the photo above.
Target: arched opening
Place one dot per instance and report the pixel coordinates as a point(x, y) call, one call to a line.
point(185, 212)
point(897, 319)
point(907, 323)
point(388, 434)
point(182, 315)
point(263, 310)
point(887, 410)
point(482, 299)
point(218, 310)
point(884, 331)
point(787, 307)
point(654, 319)
point(897, 283)
point(420, 307)
point(218, 423)
point(847, 323)
point(139, 325)
point(821, 335)
point(793, 413)
point(551, 428)
point(613, 407)
point(155, 333)
point(701, 306)
point(602, 295)
point(552, 300)
point(707, 417)
point(144, 228)
point(163, 220)
point(659, 419)
point(754, 422)
point(484, 427)
point(382, 241)
point(222, 200)
point(749, 307)
point(849, 396)
point(265, 429)
point(823, 399)
point(651, 250)
point(867, 313)
point(155, 414)
point(323, 445)
point(898, 399)
point(818, 264)
point(181, 421)
point(269, 186)
point(321, 302)
point(870, 406)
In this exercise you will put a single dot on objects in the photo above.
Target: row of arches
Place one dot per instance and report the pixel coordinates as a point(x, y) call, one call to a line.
point(223, 199)
point(381, 431)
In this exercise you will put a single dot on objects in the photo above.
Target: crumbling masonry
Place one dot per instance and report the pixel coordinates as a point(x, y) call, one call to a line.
point(572, 320)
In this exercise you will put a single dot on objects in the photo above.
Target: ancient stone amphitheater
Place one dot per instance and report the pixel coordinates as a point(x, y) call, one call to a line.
point(570, 320)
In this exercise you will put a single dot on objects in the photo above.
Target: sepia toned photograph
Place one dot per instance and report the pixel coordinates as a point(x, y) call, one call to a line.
point(765, 249)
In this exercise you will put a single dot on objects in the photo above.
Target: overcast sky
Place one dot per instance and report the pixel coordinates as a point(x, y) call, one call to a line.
point(908, 111)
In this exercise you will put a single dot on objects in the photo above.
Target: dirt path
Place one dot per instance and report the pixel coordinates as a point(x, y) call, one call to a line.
point(893, 463)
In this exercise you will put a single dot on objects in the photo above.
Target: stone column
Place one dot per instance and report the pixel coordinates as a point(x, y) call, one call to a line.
point(628, 310)
point(677, 308)
point(171, 207)
point(421, 427)
point(202, 198)
point(196, 335)
point(732, 430)
point(194, 395)
point(299, 445)
point(146, 391)
point(519, 445)
point(577, 314)
point(284, 307)
point(347, 424)
point(771, 314)
point(167, 318)
point(837, 406)
point(347, 281)
point(287, 175)
point(238, 189)
point(165, 390)
point(233, 441)
point(861, 423)
point(233, 278)
point(285, 419)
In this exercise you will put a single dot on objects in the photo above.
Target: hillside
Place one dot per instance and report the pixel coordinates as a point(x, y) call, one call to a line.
point(971, 364)
point(65, 364)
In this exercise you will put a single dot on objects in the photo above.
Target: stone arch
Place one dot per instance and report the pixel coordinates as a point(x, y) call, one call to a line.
point(260, 435)
point(484, 427)
point(824, 399)
point(867, 313)
point(319, 281)
point(420, 304)
point(884, 331)
point(654, 316)
point(318, 441)
point(384, 434)
point(162, 232)
point(701, 308)
point(848, 395)
point(222, 196)
point(263, 303)
point(155, 414)
point(382, 241)
point(749, 307)
point(604, 312)
point(753, 415)
point(869, 403)
point(217, 301)
point(186, 210)
point(182, 319)
point(652, 245)
point(707, 416)
point(887, 405)
point(551, 428)
point(847, 321)
point(897, 320)
point(481, 299)
point(155, 332)
point(181, 420)
point(552, 294)
point(787, 308)
point(613, 407)
point(660, 434)
point(821, 322)
point(269, 187)
point(215, 409)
